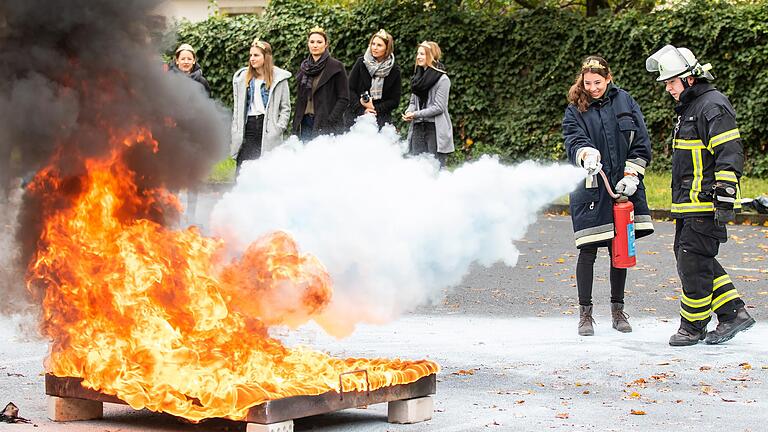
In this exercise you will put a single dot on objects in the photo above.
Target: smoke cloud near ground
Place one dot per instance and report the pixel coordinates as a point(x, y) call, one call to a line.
point(79, 72)
point(393, 232)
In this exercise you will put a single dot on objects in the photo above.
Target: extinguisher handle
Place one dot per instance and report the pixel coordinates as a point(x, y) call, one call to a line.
point(618, 197)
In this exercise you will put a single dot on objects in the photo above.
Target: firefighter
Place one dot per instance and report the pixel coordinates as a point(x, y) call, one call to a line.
point(707, 163)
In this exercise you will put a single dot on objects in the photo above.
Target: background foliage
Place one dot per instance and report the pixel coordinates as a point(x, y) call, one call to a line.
point(511, 68)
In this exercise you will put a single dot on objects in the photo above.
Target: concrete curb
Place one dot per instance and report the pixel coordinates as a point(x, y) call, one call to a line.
point(664, 214)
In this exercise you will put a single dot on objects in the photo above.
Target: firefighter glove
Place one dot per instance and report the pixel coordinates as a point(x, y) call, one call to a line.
point(628, 185)
point(590, 160)
point(724, 195)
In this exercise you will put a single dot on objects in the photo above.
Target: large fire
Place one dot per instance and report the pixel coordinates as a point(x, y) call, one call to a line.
point(161, 318)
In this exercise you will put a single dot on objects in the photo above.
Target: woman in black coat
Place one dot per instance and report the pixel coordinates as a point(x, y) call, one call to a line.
point(323, 91)
point(185, 61)
point(374, 82)
point(604, 127)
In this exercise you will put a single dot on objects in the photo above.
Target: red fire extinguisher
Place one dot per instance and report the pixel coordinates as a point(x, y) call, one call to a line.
point(623, 254)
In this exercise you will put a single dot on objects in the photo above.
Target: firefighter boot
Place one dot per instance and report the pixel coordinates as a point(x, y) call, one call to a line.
point(620, 322)
point(684, 337)
point(586, 321)
point(726, 330)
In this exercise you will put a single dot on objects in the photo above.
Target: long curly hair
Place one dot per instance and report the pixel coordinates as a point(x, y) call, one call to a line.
point(577, 95)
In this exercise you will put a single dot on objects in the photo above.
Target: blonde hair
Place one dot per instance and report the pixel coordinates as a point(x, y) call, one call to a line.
point(388, 41)
point(267, 70)
point(433, 54)
point(577, 94)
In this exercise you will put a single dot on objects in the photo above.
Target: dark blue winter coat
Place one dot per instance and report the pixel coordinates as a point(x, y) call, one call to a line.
point(614, 125)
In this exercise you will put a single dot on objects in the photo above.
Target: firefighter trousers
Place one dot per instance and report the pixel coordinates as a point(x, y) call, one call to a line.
point(707, 287)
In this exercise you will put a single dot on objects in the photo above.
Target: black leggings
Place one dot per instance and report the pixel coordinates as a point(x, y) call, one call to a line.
point(585, 267)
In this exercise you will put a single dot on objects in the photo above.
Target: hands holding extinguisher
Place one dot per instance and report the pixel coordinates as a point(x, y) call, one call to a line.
point(628, 185)
point(589, 157)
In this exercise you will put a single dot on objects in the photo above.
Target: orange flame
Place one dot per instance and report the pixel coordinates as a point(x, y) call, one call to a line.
point(158, 318)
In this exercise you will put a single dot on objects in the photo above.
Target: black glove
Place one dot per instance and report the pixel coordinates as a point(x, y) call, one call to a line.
point(724, 196)
point(723, 216)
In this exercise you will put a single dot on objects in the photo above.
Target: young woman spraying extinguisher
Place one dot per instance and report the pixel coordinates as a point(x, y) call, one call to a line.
point(604, 129)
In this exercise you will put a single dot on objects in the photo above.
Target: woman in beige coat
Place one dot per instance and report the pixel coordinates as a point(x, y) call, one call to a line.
point(262, 106)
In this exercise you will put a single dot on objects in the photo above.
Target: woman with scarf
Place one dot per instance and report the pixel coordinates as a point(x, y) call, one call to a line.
point(323, 91)
point(430, 130)
point(262, 105)
point(604, 129)
point(374, 82)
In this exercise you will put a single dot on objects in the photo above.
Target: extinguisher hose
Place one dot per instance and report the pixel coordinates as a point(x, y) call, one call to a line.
point(608, 186)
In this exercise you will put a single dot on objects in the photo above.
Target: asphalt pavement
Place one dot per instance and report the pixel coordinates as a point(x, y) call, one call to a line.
point(510, 355)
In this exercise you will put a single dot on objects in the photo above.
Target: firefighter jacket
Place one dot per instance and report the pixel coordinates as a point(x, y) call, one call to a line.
point(707, 149)
point(613, 125)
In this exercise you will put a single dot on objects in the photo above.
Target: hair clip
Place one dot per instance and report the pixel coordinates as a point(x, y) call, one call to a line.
point(592, 64)
point(382, 34)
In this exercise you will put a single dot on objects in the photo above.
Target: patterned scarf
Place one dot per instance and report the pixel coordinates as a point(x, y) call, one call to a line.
point(309, 70)
point(378, 71)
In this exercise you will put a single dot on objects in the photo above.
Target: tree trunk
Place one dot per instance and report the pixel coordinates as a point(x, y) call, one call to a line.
point(594, 5)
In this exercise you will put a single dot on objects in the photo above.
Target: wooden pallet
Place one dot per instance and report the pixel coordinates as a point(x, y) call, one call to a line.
point(408, 403)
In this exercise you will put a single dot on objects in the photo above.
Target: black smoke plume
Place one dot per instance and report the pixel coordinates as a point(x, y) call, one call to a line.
point(74, 71)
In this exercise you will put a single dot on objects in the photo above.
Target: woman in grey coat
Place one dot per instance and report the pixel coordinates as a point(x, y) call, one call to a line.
point(430, 129)
point(262, 105)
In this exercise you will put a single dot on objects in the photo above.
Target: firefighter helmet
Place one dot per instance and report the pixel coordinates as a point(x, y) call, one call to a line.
point(671, 62)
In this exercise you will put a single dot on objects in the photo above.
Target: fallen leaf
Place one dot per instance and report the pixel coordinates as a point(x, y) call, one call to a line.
point(562, 415)
point(637, 412)
point(634, 395)
point(560, 260)
point(465, 372)
point(740, 378)
point(728, 400)
point(520, 402)
point(705, 368)
point(586, 392)
point(745, 366)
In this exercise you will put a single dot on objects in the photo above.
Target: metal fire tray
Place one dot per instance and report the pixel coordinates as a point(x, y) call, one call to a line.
point(278, 410)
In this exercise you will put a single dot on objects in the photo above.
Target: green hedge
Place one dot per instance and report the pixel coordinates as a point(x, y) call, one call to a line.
point(511, 69)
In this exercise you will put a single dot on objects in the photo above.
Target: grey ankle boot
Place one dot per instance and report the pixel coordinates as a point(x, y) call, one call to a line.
point(620, 322)
point(586, 321)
